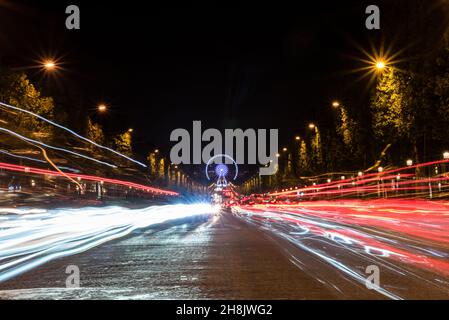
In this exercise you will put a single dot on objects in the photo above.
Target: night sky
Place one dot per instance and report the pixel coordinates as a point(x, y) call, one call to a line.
point(159, 67)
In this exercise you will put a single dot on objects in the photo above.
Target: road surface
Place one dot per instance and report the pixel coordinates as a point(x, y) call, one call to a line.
point(230, 256)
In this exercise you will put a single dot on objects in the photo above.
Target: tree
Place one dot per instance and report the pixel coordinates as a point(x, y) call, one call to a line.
point(152, 164)
point(303, 165)
point(94, 131)
point(433, 99)
point(317, 154)
point(123, 143)
point(17, 90)
point(410, 106)
point(346, 128)
point(161, 169)
point(388, 106)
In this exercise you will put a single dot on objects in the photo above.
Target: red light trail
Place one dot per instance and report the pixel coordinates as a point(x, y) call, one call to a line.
point(25, 169)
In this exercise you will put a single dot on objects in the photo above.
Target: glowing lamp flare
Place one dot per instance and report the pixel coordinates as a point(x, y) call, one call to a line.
point(380, 65)
point(49, 65)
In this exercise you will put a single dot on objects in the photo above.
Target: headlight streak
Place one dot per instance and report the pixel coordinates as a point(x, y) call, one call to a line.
point(340, 266)
point(72, 132)
point(56, 148)
point(413, 231)
point(29, 240)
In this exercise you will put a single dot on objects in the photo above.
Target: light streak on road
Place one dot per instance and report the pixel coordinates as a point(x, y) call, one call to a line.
point(29, 239)
point(17, 168)
point(72, 132)
point(407, 237)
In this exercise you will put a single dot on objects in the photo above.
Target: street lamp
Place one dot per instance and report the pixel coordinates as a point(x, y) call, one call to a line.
point(102, 107)
point(130, 130)
point(311, 126)
point(297, 138)
point(49, 65)
point(409, 162)
point(277, 155)
point(380, 169)
point(380, 65)
point(284, 149)
point(446, 155)
point(335, 104)
point(360, 173)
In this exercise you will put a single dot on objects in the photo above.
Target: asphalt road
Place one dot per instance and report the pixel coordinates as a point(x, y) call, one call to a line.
point(220, 257)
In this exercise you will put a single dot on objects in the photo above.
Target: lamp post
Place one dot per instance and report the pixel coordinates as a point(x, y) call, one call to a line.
point(380, 189)
point(445, 157)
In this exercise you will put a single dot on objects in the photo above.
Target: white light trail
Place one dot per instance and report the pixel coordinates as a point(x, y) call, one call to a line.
point(72, 132)
point(56, 148)
point(31, 238)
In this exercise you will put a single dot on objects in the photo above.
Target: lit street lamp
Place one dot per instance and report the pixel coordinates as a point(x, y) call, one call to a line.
point(445, 157)
point(335, 104)
point(380, 65)
point(311, 126)
point(102, 108)
point(409, 162)
point(49, 65)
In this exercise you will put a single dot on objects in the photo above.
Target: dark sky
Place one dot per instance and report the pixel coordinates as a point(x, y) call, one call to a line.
point(161, 66)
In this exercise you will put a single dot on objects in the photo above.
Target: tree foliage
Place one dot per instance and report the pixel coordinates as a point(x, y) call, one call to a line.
point(303, 159)
point(17, 90)
point(123, 143)
point(389, 107)
point(94, 131)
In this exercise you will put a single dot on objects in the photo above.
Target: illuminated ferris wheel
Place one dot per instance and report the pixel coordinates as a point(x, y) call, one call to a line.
point(221, 170)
